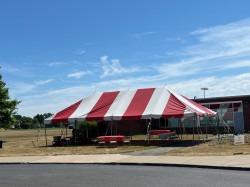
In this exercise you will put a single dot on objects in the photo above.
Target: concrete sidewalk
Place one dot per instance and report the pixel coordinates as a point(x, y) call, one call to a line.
point(241, 162)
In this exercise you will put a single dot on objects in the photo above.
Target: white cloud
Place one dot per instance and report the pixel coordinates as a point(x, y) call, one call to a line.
point(141, 35)
point(80, 51)
point(56, 63)
point(90, 43)
point(217, 86)
point(79, 74)
point(238, 64)
point(104, 59)
point(113, 67)
point(18, 88)
point(9, 69)
point(182, 68)
point(42, 82)
point(227, 40)
point(52, 101)
point(177, 39)
point(218, 48)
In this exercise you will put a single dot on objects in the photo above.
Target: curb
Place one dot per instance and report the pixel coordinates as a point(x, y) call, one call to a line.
point(138, 164)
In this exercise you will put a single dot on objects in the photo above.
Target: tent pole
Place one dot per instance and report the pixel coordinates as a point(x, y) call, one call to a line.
point(218, 127)
point(111, 127)
point(181, 127)
point(116, 127)
point(206, 132)
point(66, 126)
point(75, 131)
point(199, 129)
point(194, 128)
point(197, 126)
point(45, 131)
point(108, 128)
point(87, 133)
point(148, 130)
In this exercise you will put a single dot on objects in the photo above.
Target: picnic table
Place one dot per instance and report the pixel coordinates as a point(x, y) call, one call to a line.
point(162, 134)
point(119, 138)
point(156, 132)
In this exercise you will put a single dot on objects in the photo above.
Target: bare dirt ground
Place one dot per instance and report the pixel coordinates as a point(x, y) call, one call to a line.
point(32, 143)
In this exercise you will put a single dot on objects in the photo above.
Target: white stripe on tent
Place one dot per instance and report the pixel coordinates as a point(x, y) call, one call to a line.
point(188, 104)
point(156, 104)
point(85, 107)
point(120, 105)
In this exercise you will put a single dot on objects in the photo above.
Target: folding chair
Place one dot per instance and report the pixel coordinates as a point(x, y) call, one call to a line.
point(127, 140)
point(101, 141)
point(113, 141)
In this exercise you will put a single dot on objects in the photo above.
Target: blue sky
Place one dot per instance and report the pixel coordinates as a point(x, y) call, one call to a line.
point(54, 53)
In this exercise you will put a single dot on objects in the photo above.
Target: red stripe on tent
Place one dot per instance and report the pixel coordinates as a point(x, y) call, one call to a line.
point(174, 108)
point(62, 116)
point(138, 103)
point(102, 106)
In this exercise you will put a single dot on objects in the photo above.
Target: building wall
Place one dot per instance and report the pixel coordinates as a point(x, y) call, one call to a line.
point(245, 101)
point(246, 113)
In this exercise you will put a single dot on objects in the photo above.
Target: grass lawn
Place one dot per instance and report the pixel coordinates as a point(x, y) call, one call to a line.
point(24, 143)
point(28, 143)
point(223, 147)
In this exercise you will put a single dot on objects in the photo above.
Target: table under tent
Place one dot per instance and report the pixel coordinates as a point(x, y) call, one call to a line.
point(140, 104)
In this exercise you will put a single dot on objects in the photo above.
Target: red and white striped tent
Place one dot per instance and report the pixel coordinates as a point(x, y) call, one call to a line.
point(147, 103)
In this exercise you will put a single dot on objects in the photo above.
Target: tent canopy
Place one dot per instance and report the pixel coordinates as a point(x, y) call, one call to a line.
point(137, 104)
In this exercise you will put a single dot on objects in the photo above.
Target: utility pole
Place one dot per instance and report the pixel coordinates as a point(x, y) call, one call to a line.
point(204, 89)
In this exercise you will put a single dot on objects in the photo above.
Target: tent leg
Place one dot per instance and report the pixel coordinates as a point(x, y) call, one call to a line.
point(87, 133)
point(194, 127)
point(180, 127)
point(148, 130)
point(206, 132)
point(75, 131)
point(45, 131)
point(66, 130)
point(109, 126)
point(198, 126)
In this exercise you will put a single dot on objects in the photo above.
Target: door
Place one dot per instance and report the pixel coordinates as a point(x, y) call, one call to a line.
point(238, 121)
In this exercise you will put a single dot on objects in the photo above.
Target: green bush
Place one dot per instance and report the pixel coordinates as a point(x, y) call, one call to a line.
point(89, 126)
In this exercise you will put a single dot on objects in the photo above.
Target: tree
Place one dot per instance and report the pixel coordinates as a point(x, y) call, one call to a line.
point(41, 117)
point(17, 119)
point(26, 123)
point(7, 106)
point(47, 115)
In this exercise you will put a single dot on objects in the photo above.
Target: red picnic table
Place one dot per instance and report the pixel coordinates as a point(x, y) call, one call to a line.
point(119, 138)
point(156, 132)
